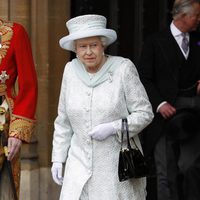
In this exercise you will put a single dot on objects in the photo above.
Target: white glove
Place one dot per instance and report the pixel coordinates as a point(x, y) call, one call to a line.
point(102, 131)
point(56, 171)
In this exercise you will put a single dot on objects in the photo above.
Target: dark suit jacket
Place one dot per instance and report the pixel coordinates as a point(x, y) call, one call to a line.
point(163, 71)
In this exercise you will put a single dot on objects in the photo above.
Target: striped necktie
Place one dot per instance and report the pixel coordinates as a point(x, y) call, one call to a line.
point(185, 43)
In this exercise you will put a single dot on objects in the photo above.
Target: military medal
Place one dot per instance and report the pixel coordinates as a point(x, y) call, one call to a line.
point(3, 76)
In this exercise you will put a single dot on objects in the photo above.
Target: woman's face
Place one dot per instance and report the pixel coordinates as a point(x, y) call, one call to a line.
point(90, 52)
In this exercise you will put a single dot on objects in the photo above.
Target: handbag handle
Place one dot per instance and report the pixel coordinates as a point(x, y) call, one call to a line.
point(125, 130)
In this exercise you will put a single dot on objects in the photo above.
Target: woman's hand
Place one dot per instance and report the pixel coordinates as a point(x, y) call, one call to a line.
point(56, 171)
point(102, 131)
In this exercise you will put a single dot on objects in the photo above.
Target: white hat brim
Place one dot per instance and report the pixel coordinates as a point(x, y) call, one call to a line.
point(67, 42)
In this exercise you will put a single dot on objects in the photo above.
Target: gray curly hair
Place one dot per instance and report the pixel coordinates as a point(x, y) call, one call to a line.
point(182, 7)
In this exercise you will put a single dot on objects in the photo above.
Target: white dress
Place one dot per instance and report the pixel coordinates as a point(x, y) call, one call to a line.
point(92, 164)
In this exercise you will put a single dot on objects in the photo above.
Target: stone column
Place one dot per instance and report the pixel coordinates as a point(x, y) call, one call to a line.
point(4, 9)
point(20, 11)
point(49, 18)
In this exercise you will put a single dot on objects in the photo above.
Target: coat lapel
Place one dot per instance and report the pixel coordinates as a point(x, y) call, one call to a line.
point(194, 46)
point(172, 53)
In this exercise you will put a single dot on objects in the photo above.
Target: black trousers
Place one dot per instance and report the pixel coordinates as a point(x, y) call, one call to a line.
point(189, 168)
point(162, 156)
point(178, 168)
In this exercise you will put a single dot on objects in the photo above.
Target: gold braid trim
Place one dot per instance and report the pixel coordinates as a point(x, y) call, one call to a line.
point(21, 128)
point(6, 32)
point(10, 103)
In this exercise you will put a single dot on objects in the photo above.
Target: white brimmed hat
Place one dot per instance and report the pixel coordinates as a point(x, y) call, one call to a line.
point(86, 26)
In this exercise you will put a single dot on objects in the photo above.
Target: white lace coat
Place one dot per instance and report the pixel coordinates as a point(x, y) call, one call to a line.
point(96, 162)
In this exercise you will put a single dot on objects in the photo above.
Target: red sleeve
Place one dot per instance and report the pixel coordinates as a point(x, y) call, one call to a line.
point(26, 100)
point(24, 108)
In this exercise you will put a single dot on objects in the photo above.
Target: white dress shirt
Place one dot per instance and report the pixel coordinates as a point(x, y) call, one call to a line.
point(179, 37)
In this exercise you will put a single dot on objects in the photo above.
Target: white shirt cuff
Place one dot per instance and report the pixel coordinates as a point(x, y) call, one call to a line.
point(157, 110)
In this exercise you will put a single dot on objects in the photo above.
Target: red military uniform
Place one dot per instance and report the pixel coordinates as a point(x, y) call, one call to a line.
point(16, 64)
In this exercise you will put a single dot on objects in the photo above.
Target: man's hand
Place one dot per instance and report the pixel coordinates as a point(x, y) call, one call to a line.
point(14, 145)
point(198, 87)
point(167, 110)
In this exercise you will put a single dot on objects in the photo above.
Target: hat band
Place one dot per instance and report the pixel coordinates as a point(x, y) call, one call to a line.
point(87, 27)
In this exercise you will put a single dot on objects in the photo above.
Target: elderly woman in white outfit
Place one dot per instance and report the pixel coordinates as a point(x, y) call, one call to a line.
point(97, 91)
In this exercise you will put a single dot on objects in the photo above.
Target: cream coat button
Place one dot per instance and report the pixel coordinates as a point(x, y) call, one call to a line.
point(88, 141)
point(88, 93)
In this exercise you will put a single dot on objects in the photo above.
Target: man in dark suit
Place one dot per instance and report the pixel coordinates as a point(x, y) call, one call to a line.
point(169, 68)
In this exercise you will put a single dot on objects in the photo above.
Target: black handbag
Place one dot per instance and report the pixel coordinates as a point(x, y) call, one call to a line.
point(132, 163)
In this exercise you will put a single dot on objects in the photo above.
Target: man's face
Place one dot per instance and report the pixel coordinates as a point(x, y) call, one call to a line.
point(192, 19)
